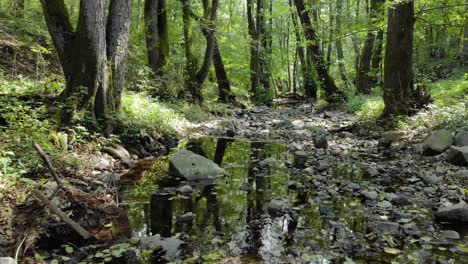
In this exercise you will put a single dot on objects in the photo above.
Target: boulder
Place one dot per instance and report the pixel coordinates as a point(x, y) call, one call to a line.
point(462, 174)
point(461, 139)
point(389, 137)
point(453, 213)
point(437, 142)
point(300, 159)
point(458, 155)
point(320, 142)
point(193, 167)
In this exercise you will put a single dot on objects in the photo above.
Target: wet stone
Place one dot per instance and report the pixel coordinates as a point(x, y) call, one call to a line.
point(401, 201)
point(371, 195)
point(450, 234)
point(276, 207)
point(187, 218)
point(383, 228)
point(453, 213)
point(300, 159)
point(320, 142)
point(186, 189)
point(411, 229)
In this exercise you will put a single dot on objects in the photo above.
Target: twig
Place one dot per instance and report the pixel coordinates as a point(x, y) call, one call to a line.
point(50, 166)
point(19, 247)
point(80, 230)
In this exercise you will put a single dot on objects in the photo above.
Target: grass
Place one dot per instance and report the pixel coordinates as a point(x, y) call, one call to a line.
point(449, 109)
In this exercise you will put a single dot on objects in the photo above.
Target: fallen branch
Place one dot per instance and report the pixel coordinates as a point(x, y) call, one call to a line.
point(50, 166)
point(80, 230)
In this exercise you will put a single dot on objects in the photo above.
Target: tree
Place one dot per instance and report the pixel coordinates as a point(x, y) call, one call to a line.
point(86, 52)
point(332, 92)
point(363, 75)
point(400, 96)
point(196, 76)
point(260, 49)
point(157, 37)
point(224, 87)
point(339, 43)
point(465, 39)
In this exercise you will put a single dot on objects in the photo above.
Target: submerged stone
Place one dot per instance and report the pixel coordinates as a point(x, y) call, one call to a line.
point(193, 167)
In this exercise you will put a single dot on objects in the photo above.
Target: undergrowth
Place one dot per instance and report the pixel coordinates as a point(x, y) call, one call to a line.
point(449, 109)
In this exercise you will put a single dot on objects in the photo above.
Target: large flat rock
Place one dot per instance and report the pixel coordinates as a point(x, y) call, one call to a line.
point(193, 167)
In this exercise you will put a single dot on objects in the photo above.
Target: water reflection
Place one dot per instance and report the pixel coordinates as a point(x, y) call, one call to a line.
point(251, 209)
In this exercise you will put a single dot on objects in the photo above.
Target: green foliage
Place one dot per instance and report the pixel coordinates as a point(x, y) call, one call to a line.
point(366, 106)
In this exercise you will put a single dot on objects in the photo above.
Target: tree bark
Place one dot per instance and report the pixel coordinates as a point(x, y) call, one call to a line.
point(225, 94)
point(118, 31)
point(339, 44)
point(195, 78)
point(84, 54)
point(157, 37)
point(306, 62)
point(399, 96)
point(333, 94)
point(364, 73)
point(465, 40)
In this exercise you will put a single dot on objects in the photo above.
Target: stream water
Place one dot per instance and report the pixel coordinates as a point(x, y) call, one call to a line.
point(259, 212)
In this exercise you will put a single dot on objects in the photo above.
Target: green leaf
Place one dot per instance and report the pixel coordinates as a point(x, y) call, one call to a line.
point(55, 261)
point(41, 255)
point(393, 251)
point(69, 249)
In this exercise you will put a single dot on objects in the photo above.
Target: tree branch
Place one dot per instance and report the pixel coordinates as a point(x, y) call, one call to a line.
point(50, 166)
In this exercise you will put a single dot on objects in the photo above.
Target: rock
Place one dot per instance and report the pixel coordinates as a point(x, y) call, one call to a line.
point(383, 228)
point(283, 124)
point(316, 130)
point(170, 246)
point(437, 142)
point(411, 229)
point(7, 260)
point(323, 165)
point(185, 190)
point(300, 159)
point(453, 213)
point(193, 167)
point(372, 171)
point(461, 139)
point(187, 218)
point(389, 137)
point(320, 142)
point(268, 162)
point(463, 174)
point(430, 179)
point(401, 201)
point(450, 234)
point(276, 207)
point(120, 153)
point(385, 204)
point(354, 186)
point(458, 155)
point(370, 195)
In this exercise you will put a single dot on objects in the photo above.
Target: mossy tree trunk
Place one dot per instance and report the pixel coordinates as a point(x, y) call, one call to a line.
point(333, 94)
point(339, 43)
point(224, 87)
point(195, 77)
point(92, 56)
point(399, 96)
point(305, 60)
point(157, 37)
point(260, 49)
point(364, 74)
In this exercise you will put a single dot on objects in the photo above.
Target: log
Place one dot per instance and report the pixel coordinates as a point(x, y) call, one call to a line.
point(80, 230)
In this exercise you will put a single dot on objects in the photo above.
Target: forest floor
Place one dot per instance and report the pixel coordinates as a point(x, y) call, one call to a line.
point(355, 190)
point(325, 185)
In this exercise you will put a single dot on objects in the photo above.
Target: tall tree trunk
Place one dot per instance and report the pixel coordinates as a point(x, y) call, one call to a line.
point(157, 37)
point(330, 42)
point(465, 40)
point(195, 77)
point(310, 86)
point(260, 50)
point(84, 53)
point(364, 73)
point(225, 94)
point(332, 92)
point(399, 96)
point(376, 65)
point(118, 31)
point(339, 44)
point(254, 52)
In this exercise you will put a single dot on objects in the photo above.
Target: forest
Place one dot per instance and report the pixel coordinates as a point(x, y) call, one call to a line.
point(234, 131)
